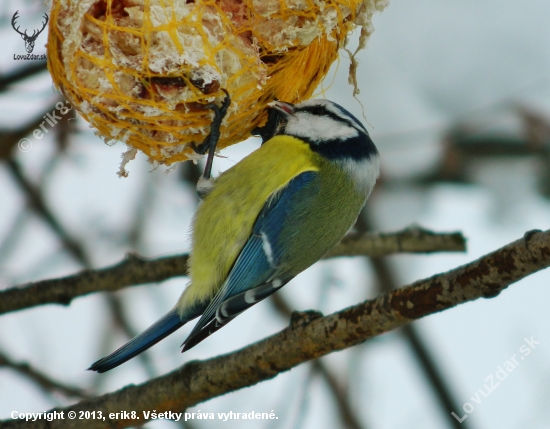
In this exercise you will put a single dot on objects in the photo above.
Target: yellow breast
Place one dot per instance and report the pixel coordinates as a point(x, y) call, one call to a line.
point(226, 217)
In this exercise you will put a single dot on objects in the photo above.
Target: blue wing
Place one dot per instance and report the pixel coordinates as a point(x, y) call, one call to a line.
point(256, 273)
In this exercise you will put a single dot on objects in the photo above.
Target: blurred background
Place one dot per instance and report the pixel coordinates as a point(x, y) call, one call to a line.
point(456, 95)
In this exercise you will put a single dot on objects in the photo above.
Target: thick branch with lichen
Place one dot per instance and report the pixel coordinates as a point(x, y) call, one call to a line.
point(310, 335)
point(134, 270)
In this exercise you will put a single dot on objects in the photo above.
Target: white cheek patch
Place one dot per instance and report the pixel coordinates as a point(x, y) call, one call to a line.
point(319, 128)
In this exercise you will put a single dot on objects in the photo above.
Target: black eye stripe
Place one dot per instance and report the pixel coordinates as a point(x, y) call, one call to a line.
point(318, 110)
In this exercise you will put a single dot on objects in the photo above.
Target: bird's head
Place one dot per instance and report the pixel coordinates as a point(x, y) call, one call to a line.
point(330, 130)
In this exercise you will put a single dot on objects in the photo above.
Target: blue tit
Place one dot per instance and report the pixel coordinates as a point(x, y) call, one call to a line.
point(268, 218)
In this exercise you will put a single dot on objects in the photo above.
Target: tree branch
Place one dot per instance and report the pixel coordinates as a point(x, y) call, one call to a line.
point(410, 240)
point(135, 270)
point(310, 336)
point(21, 73)
point(340, 396)
point(10, 139)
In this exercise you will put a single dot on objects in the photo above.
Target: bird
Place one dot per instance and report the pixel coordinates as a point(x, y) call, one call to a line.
point(268, 217)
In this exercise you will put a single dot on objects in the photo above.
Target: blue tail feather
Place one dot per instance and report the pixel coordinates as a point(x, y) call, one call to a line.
point(169, 323)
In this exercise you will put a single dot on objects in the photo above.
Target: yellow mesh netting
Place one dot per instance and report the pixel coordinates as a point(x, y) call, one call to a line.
point(142, 71)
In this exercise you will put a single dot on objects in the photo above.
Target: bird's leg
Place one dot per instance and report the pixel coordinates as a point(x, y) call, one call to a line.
point(204, 185)
point(210, 142)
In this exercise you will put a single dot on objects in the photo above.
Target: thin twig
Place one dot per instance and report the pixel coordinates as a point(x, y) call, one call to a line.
point(22, 73)
point(340, 395)
point(39, 206)
point(410, 240)
point(10, 139)
point(42, 380)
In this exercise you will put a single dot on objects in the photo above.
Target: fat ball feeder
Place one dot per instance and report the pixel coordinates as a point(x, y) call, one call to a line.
point(146, 72)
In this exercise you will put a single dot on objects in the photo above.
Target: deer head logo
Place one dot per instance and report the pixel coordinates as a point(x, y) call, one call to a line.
point(29, 40)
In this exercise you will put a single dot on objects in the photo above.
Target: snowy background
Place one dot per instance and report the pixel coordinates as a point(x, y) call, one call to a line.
point(436, 75)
